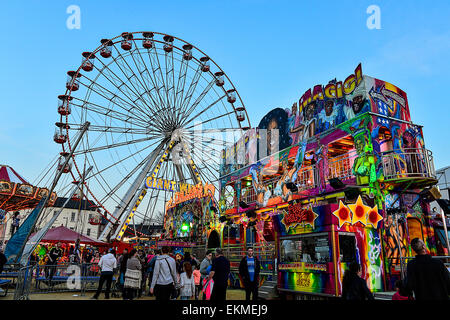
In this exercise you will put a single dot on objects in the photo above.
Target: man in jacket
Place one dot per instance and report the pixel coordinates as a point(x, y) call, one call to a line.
point(220, 271)
point(164, 276)
point(107, 265)
point(428, 278)
point(249, 269)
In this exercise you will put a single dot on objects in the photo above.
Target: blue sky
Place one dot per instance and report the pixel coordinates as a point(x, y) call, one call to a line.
point(272, 50)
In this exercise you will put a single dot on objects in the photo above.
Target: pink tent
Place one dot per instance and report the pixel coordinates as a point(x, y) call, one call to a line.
point(65, 235)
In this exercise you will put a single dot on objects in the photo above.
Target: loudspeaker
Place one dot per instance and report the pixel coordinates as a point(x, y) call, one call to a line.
point(251, 214)
point(243, 205)
point(352, 193)
point(336, 183)
point(435, 193)
point(292, 186)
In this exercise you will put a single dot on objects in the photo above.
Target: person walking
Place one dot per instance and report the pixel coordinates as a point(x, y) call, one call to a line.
point(426, 277)
point(151, 267)
point(53, 255)
point(204, 269)
point(164, 276)
point(142, 259)
point(353, 286)
point(107, 265)
point(249, 269)
point(94, 264)
point(220, 270)
point(133, 276)
point(187, 282)
point(122, 261)
point(197, 275)
point(188, 258)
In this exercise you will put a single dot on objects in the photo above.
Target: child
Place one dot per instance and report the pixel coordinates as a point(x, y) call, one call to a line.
point(187, 290)
point(401, 293)
point(197, 276)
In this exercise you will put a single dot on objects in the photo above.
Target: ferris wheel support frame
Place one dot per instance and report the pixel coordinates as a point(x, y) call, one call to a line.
point(129, 213)
point(119, 211)
point(55, 182)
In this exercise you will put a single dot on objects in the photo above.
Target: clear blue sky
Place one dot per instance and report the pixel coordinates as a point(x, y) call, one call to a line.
point(272, 50)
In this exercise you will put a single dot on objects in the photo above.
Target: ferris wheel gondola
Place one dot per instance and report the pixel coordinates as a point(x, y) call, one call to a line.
point(142, 91)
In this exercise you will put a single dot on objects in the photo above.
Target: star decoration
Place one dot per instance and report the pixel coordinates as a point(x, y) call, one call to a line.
point(343, 214)
point(373, 217)
point(310, 216)
point(359, 211)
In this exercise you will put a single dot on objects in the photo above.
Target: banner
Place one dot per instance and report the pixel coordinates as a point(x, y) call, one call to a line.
point(18, 239)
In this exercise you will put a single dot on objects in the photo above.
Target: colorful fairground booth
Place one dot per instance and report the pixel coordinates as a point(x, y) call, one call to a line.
point(350, 181)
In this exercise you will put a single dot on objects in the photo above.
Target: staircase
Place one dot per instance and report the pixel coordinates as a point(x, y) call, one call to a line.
point(268, 291)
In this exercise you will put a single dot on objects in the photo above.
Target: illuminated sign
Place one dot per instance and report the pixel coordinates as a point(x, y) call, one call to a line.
point(333, 90)
point(298, 215)
point(160, 184)
point(189, 192)
point(302, 266)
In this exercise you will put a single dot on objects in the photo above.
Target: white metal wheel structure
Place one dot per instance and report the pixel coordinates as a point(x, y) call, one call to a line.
point(146, 94)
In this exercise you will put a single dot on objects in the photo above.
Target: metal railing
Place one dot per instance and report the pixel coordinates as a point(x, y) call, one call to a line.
point(264, 252)
point(396, 164)
point(342, 166)
point(409, 163)
point(38, 279)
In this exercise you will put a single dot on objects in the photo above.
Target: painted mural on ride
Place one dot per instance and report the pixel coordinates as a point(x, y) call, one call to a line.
point(356, 133)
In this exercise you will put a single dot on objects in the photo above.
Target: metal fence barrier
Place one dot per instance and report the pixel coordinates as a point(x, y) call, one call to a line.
point(38, 279)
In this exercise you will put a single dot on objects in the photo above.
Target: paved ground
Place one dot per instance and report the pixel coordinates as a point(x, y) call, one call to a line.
point(232, 294)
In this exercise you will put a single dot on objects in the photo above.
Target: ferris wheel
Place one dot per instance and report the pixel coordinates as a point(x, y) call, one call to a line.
point(145, 94)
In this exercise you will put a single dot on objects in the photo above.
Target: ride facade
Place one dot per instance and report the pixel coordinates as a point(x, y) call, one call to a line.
point(350, 181)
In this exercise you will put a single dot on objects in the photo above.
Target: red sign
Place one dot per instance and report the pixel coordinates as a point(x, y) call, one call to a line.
point(298, 215)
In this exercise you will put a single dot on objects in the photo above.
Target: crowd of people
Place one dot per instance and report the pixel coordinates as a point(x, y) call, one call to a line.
point(169, 276)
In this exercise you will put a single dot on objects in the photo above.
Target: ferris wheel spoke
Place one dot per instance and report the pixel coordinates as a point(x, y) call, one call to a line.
point(110, 146)
point(141, 66)
point(181, 83)
point(112, 77)
point(132, 172)
point(111, 97)
point(209, 120)
point(198, 100)
point(155, 79)
point(104, 111)
point(202, 111)
point(110, 129)
point(189, 93)
point(157, 72)
point(120, 161)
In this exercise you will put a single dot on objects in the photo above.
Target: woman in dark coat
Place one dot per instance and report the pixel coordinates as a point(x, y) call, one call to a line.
point(353, 286)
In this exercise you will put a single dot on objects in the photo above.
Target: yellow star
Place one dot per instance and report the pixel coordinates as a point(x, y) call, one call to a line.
point(359, 210)
point(373, 217)
point(343, 214)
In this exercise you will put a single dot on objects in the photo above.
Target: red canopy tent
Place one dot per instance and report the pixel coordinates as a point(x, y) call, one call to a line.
point(65, 235)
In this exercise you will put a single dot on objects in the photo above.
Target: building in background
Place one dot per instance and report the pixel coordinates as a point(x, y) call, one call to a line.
point(77, 215)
